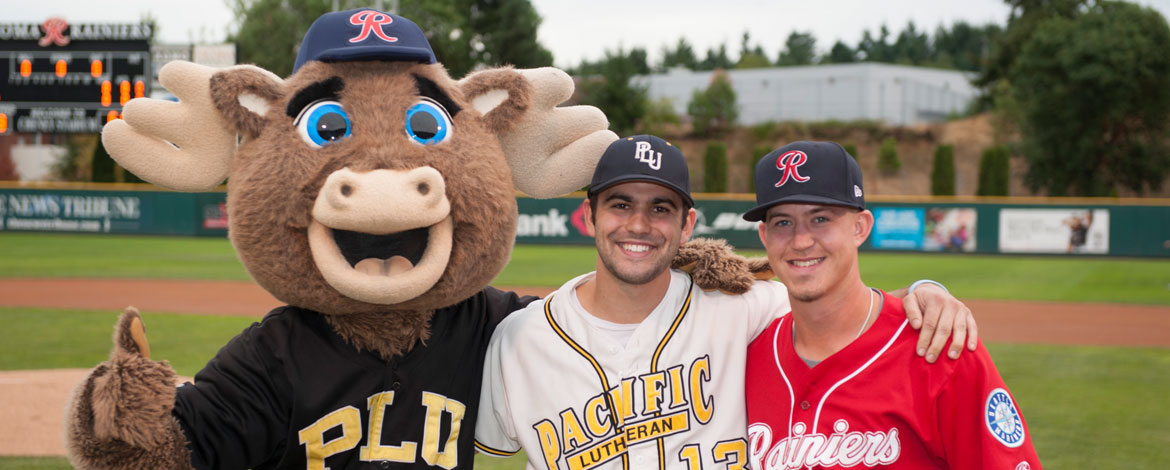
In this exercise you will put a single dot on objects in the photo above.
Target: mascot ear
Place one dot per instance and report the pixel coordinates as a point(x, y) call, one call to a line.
point(184, 145)
point(551, 150)
point(500, 95)
point(243, 96)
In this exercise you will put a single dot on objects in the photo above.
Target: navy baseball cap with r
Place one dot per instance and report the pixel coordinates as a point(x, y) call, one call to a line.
point(364, 34)
point(808, 173)
point(642, 158)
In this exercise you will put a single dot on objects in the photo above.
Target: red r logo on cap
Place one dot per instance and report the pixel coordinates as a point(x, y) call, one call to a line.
point(789, 164)
point(371, 21)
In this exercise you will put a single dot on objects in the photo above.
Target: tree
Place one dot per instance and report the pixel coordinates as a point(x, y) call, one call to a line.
point(751, 57)
point(612, 90)
point(658, 116)
point(683, 55)
point(840, 54)
point(799, 49)
point(716, 59)
point(911, 47)
point(1094, 98)
point(715, 168)
point(270, 31)
point(888, 160)
point(994, 172)
point(942, 175)
point(714, 109)
point(963, 46)
point(875, 49)
point(1026, 15)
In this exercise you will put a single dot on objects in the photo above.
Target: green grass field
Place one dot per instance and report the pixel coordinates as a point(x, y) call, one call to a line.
point(1142, 281)
point(1087, 407)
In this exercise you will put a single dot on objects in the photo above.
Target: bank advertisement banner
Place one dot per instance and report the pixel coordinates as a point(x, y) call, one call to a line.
point(562, 221)
point(1074, 231)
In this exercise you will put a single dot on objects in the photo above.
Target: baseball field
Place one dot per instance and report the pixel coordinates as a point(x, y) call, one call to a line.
point(1083, 343)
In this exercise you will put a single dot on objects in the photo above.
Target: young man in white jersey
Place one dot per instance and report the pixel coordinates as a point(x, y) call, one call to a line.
point(630, 366)
point(833, 384)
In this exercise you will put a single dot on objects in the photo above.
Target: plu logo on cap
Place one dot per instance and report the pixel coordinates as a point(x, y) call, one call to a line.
point(789, 166)
point(371, 21)
point(644, 153)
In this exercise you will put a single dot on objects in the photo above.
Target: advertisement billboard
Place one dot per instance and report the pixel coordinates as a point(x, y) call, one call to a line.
point(1074, 231)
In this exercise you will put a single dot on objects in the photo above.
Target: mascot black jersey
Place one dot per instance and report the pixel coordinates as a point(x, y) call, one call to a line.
point(339, 407)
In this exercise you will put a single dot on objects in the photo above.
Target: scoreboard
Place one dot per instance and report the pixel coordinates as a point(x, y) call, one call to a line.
point(62, 78)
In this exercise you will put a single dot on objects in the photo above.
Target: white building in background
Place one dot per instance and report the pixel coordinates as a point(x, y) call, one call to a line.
point(895, 94)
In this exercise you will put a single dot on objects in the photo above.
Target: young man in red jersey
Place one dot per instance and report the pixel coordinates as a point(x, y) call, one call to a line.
point(835, 384)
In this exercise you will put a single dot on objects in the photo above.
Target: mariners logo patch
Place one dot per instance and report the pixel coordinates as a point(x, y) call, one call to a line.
point(1003, 418)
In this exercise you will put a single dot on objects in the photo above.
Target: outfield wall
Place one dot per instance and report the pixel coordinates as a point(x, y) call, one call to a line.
point(1079, 226)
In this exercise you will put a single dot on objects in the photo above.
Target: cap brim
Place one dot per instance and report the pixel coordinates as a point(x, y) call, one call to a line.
point(757, 213)
point(402, 53)
point(651, 179)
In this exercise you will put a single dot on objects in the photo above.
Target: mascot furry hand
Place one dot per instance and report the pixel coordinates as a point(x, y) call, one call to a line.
point(376, 196)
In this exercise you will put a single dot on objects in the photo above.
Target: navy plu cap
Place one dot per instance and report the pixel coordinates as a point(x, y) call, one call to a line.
point(642, 158)
point(808, 173)
point(364, 34)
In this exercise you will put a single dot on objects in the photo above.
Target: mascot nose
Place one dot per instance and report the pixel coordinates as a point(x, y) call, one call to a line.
point(420, 188)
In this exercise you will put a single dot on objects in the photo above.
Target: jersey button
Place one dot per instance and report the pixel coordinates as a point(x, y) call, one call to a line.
point(395, 386)
point(804, 405)
point(385, 464)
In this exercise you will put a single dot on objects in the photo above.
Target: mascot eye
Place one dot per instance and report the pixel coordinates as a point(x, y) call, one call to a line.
point(323, 122)
point(427, 122)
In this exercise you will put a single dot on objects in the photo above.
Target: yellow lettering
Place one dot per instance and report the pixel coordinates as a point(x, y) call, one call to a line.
point(313, 436)
point(571, 427)
point(599, 453)
point(677, 389)
point(652, 385)
point(597, 422)
point(703, 406)
point(690, 456)
point(732, 452)
point(623, 399)
point(374, 450)
point(436, 404)
point(549, 444)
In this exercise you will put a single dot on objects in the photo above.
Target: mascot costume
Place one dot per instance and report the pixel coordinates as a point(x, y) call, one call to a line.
point(375, 196)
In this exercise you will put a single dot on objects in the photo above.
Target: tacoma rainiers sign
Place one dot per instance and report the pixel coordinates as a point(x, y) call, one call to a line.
point(57, 77)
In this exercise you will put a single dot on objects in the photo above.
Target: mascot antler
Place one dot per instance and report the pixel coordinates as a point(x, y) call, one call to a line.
point(185, 146)
point(552, 150)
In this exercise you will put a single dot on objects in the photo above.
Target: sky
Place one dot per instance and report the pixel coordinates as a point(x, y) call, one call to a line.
point(577, 29)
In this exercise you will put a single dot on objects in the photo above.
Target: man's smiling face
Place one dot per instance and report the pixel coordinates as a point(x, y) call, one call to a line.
point(813, 248)
point(638, 227)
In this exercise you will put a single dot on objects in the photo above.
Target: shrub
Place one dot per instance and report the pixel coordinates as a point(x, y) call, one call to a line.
point(942, 176)
point(757, 153)
point(715, 168)
point(994, 172)
point(888, 156)
point(851, 149)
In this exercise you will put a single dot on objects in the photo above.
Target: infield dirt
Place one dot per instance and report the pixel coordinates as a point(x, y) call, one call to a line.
point(34, 401)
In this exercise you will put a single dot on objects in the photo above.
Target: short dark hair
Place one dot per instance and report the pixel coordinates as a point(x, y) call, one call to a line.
point(686, 207)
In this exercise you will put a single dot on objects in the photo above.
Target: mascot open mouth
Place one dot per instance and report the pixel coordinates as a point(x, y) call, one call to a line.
point(382, 254)
point(381, 269)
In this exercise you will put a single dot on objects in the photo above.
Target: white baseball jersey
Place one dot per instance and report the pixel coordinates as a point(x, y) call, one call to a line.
point(555, 384)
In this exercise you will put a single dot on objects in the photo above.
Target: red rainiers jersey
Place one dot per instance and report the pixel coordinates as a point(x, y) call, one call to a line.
point(876, 403)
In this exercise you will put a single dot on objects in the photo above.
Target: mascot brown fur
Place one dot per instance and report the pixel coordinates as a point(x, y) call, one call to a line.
point(380, 237)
